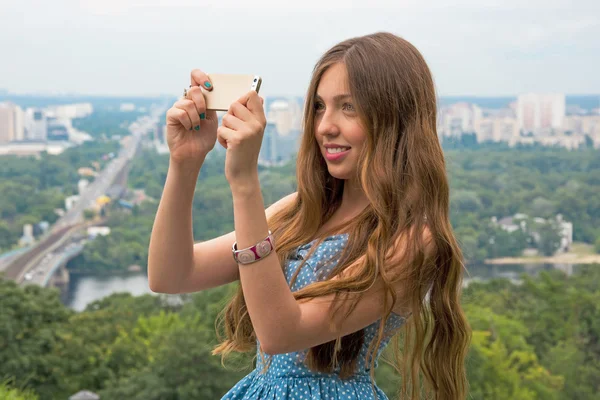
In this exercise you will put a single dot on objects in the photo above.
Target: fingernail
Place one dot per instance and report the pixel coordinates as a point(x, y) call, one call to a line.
point(197, 127)
point(203, 116)
point(207, 84)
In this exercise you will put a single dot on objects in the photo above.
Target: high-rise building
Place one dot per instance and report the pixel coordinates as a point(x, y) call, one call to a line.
point(458, 118)
point(539, 113)
point(268, 150)
point(7, 122)
point(280, 114)
point(496, 129)
point(19, 123)
point(37, 124)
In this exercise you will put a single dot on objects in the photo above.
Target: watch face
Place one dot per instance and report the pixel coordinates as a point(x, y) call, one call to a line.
point(246, 256)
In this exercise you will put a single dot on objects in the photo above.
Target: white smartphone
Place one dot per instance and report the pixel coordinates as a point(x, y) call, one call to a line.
point(228, 88)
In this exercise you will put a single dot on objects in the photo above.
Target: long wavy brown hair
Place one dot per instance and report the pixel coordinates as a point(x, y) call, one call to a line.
point(402, 172)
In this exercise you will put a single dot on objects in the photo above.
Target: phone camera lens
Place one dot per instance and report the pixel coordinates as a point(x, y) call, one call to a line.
point(255, 79)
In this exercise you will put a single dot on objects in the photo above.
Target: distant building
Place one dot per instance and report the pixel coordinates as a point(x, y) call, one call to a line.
point(458, 118)
point(496, 129)
point(138, 196)
point(70, 201)
point(56, 130)
point(538, 113)
point(282, 133)
point(19, 133)
point(94, 231)
point(70, 111)
point(43, 227)
point(280, 114)
point(82, 185)
point(33, 147)
point(519, 222)
point(582, 126)
point(268, 150)
point(12, 122)
point(27, 238)
point(36, 125)
point(512, 224)
point(7, 122)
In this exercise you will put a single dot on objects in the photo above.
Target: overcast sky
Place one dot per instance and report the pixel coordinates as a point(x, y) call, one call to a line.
point(148, 47)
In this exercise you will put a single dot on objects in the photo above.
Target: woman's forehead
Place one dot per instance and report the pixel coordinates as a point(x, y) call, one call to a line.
point(334, 82)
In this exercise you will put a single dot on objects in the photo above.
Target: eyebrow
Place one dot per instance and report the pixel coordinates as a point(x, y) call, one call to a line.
point(335, 98)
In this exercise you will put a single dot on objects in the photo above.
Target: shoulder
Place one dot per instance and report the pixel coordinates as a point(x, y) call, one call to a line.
point(404, 242)
point(281, 204)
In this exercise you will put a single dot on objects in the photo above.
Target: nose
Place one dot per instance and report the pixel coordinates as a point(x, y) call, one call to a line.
point(327, 124)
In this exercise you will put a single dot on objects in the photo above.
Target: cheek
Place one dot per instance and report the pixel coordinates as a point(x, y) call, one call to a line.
point(357, 135)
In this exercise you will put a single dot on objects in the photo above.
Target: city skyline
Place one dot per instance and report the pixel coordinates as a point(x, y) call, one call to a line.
point(144, 48)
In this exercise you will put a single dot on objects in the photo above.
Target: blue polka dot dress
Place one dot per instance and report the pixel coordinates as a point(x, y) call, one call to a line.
point(287, 376)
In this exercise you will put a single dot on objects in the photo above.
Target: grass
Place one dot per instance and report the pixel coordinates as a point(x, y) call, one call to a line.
point(582, 249)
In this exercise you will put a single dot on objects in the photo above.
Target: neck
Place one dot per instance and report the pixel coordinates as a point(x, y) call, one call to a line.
point(354, 199)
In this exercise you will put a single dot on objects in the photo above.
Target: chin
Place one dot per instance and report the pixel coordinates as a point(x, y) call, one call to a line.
point(338, 174)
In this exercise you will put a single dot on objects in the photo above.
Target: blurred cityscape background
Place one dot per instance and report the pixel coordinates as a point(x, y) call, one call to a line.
point(548, 119)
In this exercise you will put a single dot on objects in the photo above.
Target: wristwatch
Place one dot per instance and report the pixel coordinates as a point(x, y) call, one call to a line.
point(254, 253)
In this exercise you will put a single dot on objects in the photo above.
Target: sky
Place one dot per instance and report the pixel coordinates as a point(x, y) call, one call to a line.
point(149, 47)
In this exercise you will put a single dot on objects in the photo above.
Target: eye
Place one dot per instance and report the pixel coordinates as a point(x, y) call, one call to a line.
point(319, 106)
point(348, 107)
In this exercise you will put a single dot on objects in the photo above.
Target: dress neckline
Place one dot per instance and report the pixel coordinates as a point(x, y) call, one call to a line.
point(331, 237)
point(326, 239)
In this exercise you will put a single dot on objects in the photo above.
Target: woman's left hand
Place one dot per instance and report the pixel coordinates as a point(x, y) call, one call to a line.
point(241, 133)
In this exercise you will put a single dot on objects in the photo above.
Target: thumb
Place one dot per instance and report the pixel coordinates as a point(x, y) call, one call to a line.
point(255, 103)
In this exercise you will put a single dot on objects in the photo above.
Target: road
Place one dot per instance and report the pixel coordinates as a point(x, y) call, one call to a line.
point(38, 264)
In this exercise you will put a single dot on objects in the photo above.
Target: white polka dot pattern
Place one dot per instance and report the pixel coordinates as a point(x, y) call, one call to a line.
point(287, 376)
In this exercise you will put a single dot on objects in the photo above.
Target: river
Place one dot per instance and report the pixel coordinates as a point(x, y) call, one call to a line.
point(84, 289)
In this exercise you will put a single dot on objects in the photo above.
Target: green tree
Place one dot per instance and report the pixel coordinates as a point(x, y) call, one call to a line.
point(502, 365)
point(8, 393)
point(29, 323)
point(549, 237)
point(89, 214)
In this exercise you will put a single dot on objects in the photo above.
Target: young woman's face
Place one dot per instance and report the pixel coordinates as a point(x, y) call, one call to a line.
point(337, 124)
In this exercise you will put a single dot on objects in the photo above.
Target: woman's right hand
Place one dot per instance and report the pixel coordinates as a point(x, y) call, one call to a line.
point(191, 130)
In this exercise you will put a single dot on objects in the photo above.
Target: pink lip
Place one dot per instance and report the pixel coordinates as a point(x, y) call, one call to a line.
point(337, 156)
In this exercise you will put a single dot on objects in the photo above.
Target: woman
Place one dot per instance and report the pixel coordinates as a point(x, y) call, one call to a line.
point(363, 250)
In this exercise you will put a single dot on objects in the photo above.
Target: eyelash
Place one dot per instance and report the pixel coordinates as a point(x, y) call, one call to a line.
point(319, 104)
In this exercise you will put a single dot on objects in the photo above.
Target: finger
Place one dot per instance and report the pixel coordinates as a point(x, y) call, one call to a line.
point(262, 101)
point(178, 116)
point(244, 99)
point(190, 108)
point(232, 122)
point(224, 135)
point(254, 104)
point(240, 111)
point(195, 94)
point(211, 115)
point(199, 78)
point(251, 101)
